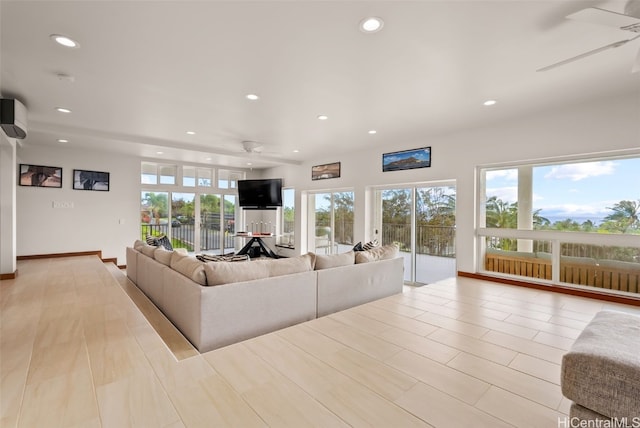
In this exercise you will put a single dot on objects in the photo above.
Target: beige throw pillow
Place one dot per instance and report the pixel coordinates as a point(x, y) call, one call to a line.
point(287, 266)
point(148, 250)
point(189, 266)
point(385, 252)
point(335, 260)
point(163, 255)
point(137, 245)
point(219, 273)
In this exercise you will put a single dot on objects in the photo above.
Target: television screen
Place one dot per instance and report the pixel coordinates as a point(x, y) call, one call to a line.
point(260, 194)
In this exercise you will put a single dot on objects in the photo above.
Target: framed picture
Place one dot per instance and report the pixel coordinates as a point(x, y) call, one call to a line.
point(322, 172)
point(407, 159)
point(90, 180)
point(40, 176)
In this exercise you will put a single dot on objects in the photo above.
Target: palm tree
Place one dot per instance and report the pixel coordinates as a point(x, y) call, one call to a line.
point(157, 205)
point(625, 216)
point(501, 214)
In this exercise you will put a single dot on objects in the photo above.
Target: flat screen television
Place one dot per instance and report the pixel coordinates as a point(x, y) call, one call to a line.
point(265, 194)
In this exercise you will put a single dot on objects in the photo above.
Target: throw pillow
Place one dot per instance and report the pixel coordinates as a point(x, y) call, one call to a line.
point(226, 258)
point(384, 252)
point(358, 247)
point(148, 250)
point(287, 266)
point(164, 241)
point(151, 240)
point(163, 255)
point(371, 244)
point(219, 273)
point(189, 266)
point(334, 260)
point(138, 244)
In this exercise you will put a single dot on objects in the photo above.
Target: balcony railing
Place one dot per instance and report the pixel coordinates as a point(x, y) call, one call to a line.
point(605, 273)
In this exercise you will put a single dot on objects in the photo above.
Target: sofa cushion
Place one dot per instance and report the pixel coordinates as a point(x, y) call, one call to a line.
point(335, 260)
point(384, 252)
point(163, 255)
point(138, 244)
point(218, 273)
point(189, 267)
point(148, 250)
point(287, 266)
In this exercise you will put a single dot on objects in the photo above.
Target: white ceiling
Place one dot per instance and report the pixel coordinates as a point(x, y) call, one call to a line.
point(148, 71)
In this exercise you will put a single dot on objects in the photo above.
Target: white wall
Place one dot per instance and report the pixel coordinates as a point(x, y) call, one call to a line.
point(107, 221)
point(7, 205)
point(94, 222)
point(606, 126)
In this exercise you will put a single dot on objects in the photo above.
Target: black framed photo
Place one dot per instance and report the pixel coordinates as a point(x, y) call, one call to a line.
point(40, 176)
point(328, 170)
point(406, 159)
point(90, 180)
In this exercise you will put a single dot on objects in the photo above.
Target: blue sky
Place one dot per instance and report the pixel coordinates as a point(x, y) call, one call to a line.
point(579, 191)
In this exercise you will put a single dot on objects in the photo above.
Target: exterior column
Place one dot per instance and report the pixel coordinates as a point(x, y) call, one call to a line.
point(525, 205)
point(8, 173)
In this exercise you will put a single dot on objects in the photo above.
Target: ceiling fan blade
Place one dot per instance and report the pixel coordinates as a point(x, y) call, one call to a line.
point(608, 18)
point(636, 65)
point(586, 54)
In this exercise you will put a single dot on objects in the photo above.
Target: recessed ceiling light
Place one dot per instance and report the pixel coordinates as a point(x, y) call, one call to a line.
point(191, 132)
point(489, 102)
point(373, 131)
point(62, 140)
point(253, 97)
point(207, 159)
point(63, 110)
point(323, 117)
point(371, 25)
point(159, 153)
point(249, 163)
point(296, 151)
point(64, 41)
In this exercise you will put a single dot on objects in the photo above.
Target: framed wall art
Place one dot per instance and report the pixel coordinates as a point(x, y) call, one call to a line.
point(322, 172)
point(40, 176)
point(90, 180)
point(407, 159)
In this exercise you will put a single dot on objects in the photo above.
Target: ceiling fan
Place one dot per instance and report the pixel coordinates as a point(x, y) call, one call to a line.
point(626, 22)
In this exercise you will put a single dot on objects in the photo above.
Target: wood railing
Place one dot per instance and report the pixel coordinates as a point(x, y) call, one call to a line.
point(607, 274)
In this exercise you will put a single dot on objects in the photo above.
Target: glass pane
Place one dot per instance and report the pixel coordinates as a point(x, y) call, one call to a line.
point(611, 268)
point(204, 177)
point(154, 214)
point(149, 174)
point(210, 223)
point(188, 176)
point(343, 221)
point(588, 196)
point(182, 227)
point(223, 179)
point(288, 217)
point(502, 257)
point(168, 174)
point(396, 223)
point(230, 222)
point(322, 216)
point(234, 176)
point(501, 192)
point(435, 233)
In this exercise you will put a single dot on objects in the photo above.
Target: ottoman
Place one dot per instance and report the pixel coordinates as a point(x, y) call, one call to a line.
point(601, 372)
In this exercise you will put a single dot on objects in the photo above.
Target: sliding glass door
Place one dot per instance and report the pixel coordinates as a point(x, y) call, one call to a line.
point(332, 222)
point(420, 220)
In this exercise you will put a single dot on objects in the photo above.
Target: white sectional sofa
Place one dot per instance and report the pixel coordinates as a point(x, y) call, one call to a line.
point(215, 304)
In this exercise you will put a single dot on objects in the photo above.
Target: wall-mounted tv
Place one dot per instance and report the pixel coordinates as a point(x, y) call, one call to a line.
point(263, 194)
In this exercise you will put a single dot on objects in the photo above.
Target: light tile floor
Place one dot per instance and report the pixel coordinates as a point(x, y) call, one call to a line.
point(82, 347)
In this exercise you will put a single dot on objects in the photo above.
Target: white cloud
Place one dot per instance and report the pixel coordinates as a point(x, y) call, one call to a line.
point(580, 171)
point(507, 174)
point(506, 194)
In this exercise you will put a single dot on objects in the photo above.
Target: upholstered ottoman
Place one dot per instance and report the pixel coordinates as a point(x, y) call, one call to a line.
point(601, 372)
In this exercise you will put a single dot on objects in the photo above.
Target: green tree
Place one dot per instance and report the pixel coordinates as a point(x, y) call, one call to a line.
point(625, 216)
point(157, 204)
point(501, 214)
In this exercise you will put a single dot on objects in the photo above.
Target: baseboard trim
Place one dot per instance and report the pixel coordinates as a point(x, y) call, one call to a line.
point(8, 275)
point(98, 253)
point(627, 300)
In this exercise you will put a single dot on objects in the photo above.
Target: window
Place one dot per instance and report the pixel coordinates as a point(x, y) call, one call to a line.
point(288, 217)
point(188, 176)
point(229, 179)
point(564, 222)
point(204, 177)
